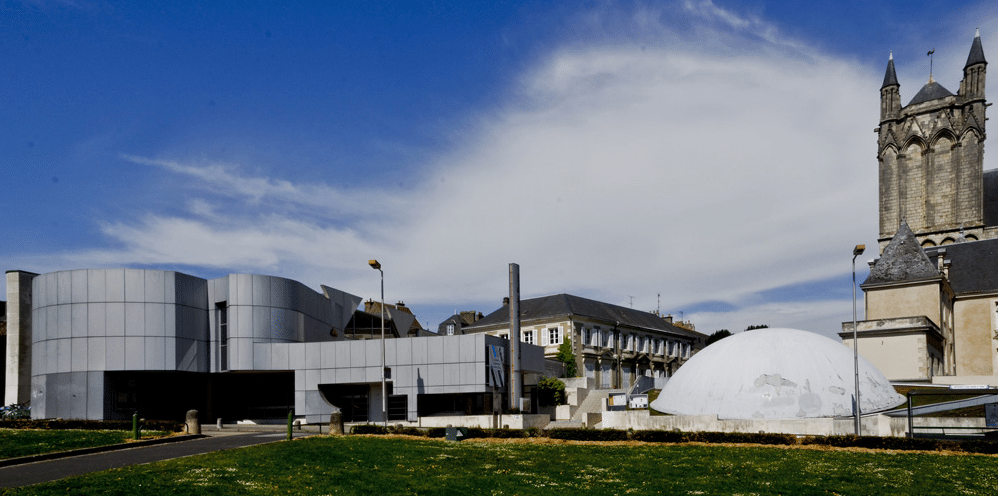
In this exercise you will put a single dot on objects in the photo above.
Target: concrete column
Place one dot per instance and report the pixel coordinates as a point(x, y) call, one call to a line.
point(18, 368)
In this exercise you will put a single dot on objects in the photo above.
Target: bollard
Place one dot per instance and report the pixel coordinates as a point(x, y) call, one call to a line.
point(192, 425)
point(218, 423)
point(290, 423)
point(135, 425)
point(336, 423)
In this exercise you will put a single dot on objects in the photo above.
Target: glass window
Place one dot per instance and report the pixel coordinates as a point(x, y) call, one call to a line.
point(554, 335)
point(528, 337)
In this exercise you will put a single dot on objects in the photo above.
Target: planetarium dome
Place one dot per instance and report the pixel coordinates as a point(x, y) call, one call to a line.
point(775, 374)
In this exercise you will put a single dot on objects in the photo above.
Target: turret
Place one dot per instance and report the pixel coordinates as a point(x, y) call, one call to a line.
point(890, 96)
point(972, 86)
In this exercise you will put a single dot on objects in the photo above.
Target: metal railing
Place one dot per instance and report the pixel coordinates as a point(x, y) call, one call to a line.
point(979, 395)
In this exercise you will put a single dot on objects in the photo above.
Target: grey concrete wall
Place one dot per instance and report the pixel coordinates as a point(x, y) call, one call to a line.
point(424, 365)
point(17, 348)
point(95, 320)
point(267, 309)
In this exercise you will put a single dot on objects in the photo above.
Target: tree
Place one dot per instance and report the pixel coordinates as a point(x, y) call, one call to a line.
point(754, 327)
point(717, 336)
point(566, 356)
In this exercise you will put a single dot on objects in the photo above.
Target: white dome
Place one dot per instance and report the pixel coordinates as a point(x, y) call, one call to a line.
point(775, 373)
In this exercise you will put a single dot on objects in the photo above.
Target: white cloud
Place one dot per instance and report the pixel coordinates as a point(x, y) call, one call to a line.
point(716, 165)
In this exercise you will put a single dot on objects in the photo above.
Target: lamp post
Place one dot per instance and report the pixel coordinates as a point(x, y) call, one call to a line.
point(384, 389)
point(857, 251)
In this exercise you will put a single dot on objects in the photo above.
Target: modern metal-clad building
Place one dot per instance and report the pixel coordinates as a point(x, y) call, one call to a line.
point(106, 343)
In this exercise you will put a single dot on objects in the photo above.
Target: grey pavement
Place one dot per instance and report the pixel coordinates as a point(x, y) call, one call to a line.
point(50, 470)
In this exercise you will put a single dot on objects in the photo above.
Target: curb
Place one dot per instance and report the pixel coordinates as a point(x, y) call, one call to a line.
point(99, 449)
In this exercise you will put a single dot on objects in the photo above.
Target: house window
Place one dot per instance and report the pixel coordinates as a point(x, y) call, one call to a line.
point(554, 335)
point(450, 329)
point(528, 337)
point(597, 340)
point(588, 338)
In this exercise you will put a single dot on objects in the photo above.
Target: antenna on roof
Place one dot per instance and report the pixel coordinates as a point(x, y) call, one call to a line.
point(632, 300)
point(930, 62)
point(658, 305)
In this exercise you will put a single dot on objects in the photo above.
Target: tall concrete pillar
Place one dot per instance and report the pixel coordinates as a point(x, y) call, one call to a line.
point(515, 376)
point(17, 387)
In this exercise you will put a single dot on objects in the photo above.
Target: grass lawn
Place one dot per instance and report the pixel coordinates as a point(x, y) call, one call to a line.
point(24, 442)
point(380, 465)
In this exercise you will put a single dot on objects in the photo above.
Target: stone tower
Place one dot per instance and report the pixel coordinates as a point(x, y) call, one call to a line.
point(931, 155)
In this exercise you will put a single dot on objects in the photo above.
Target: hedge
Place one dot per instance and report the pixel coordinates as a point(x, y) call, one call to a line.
point(93, 425)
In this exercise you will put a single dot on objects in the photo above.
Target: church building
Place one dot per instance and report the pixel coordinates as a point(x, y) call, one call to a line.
point(932, 296)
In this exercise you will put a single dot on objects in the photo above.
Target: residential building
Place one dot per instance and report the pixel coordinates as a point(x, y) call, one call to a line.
point(612, 344)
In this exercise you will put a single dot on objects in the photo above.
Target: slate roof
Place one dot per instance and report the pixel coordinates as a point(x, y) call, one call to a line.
point(974, 268)
point(902, 260)
point(976, 52)
point(931, 91)
point(890, 77)
point(566, 304)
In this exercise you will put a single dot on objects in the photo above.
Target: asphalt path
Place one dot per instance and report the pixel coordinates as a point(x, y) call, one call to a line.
point(50, 470)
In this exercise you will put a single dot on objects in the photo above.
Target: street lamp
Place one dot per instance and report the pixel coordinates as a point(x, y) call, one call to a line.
point(857, 251)
point(384, 389)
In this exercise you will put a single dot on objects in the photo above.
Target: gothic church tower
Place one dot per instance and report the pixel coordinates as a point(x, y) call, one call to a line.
point(931, 155)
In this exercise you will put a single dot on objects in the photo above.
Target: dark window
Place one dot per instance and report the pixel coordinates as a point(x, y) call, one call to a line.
point(223, 336)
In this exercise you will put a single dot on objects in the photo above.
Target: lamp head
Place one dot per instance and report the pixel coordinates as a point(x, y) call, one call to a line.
point(377, 266)
point(858, 250)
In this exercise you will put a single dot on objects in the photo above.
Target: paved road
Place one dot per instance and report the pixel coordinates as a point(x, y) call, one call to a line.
point(38, 472)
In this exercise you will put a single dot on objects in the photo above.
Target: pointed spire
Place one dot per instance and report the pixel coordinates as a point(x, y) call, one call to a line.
point(976, 51)
point(890, 78)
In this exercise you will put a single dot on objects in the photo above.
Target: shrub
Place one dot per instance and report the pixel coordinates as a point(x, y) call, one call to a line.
point(92, 425)
point(588, 434)
point(507, 433)
point(550, 392)
point(660, 436)
point(368, 429)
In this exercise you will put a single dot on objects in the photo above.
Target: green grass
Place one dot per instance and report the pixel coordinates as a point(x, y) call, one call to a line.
point(375, 465)
point(25, 442)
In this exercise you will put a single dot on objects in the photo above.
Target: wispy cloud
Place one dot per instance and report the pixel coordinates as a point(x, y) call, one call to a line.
point(701, 171)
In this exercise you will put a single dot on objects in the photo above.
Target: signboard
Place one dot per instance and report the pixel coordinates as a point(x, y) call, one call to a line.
point(638, 401)
point(495, 374)
point(991, 414)
point(616, 401)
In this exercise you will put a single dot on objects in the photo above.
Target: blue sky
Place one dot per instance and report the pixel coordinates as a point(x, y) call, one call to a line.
point(719, 154)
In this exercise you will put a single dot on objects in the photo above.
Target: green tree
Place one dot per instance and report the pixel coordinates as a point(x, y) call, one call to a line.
point(717, 336)
point(566, 356)
point(754, 327)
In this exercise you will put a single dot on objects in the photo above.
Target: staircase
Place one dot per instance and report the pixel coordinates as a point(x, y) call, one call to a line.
point(585, 404)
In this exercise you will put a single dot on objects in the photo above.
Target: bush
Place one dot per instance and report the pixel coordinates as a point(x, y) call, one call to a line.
point(588, 434)
point(743, 438)
point(507, 433)
point(92, 425)
point(550, 392)
point(660, 436)
point(368, 429)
